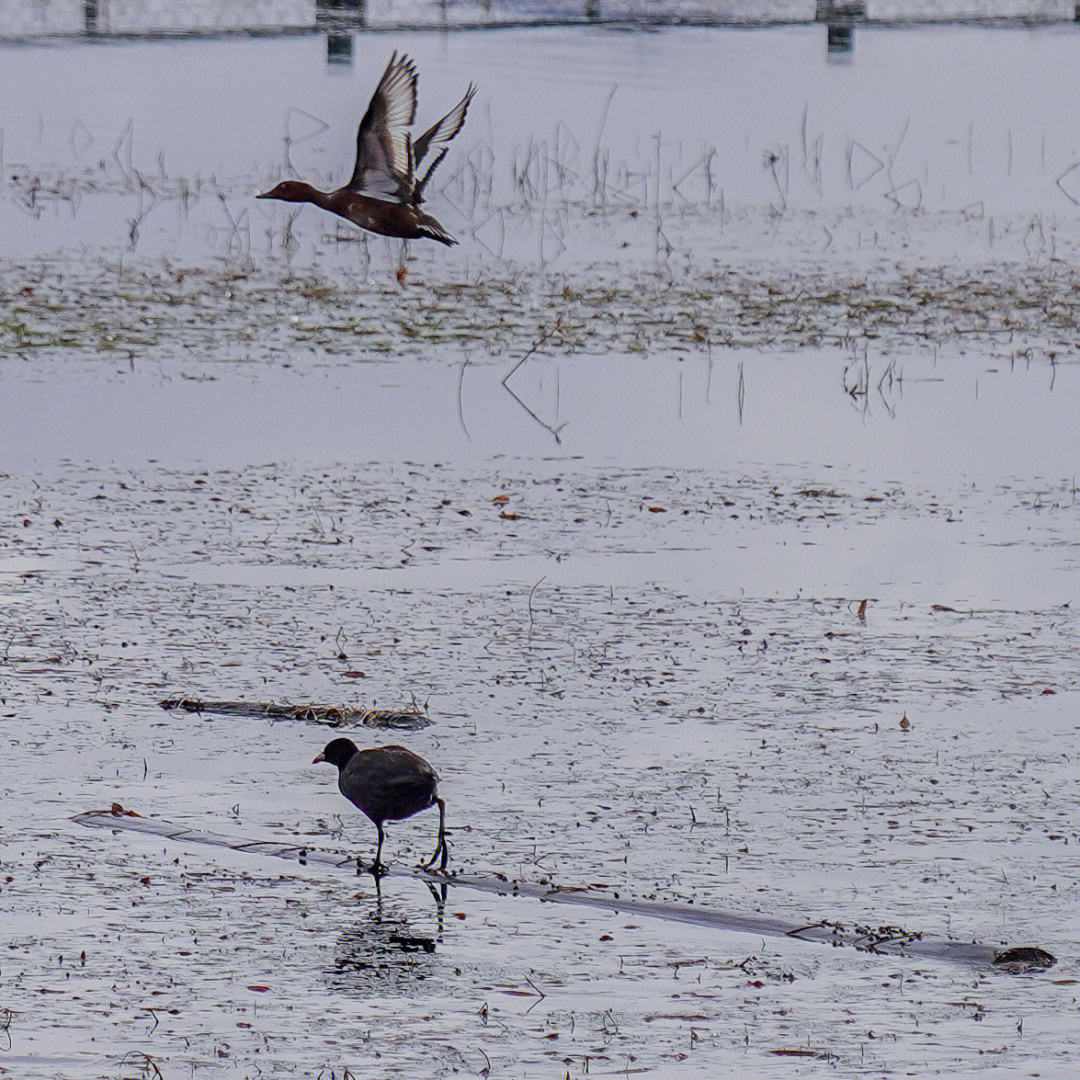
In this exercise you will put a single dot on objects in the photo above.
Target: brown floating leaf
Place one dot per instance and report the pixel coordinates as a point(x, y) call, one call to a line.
point(259, 989)
point(905, 723)
point(508, 515)
point(942, 607)
point(501, 500)
point(353, 675)
point(861, 612)
point(657, 509)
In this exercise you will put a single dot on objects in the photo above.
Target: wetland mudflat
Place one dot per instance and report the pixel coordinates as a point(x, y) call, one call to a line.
point(763, 382)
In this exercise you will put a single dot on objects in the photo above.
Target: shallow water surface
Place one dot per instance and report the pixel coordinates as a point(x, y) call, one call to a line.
point(698, 466)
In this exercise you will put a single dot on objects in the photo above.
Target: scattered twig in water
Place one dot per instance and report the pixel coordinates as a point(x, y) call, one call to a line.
point(460, 408)
point(554, 429)
point(531, 592)
point(146, 1068)
point(540, 995)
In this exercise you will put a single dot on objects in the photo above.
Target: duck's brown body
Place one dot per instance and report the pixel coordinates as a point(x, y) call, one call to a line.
point(390, 219)
point(403, 220)
point(384, 194)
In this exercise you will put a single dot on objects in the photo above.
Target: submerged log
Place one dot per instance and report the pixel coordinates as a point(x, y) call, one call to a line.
point(331, 715)
point(880, 940)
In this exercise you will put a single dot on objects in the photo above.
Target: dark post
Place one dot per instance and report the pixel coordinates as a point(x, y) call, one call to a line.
point(841, 39)
point(841, 17)
point(339, 48)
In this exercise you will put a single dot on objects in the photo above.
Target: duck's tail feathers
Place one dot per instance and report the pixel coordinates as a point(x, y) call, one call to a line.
point(430, 229)
point(438, 233)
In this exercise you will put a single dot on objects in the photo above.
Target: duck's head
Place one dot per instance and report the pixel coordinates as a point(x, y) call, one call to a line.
point(289, 191)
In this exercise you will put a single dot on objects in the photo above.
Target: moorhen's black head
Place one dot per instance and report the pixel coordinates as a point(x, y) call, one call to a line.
point(337, 753)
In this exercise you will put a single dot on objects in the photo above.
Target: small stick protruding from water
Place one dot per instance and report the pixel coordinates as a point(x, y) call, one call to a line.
point(531, 592)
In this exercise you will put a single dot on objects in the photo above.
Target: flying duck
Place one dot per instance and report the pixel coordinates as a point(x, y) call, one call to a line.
point(385, 191)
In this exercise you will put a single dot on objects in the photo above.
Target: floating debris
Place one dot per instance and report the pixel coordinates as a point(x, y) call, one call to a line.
point(1023, 958)
point(332, 715)
point(883, 940)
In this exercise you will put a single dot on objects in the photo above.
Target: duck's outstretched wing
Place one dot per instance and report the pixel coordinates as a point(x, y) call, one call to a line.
point(438, 137)
point(384, 154)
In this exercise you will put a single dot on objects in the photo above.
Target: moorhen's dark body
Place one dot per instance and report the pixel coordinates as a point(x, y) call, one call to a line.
point(384, 193)
point(388, 783)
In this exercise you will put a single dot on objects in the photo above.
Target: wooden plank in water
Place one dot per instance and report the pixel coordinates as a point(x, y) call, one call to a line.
point(879, 940)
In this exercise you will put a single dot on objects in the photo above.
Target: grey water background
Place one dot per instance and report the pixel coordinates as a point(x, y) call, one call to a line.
point(797, 331)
